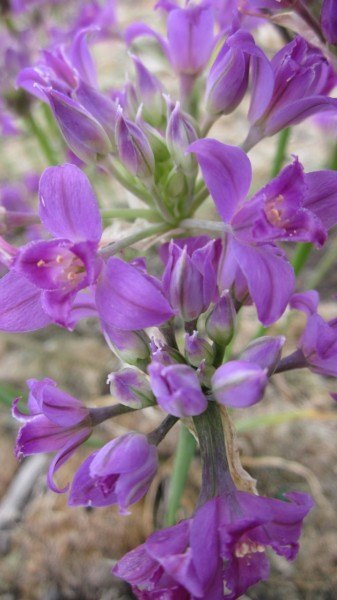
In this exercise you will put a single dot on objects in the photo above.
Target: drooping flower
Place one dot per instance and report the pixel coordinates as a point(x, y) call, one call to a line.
point(119, 473)
point(233, 531)
point(56, 422)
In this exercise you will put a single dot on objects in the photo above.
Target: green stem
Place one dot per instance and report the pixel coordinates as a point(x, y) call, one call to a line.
point(127, 183)
point(130, 214)
point(217, 226)
point(216, 478)
point(42, 139)
point(333, 159)
point(116, 247)
point(280, 155)
point(325, 264)
point(182, 462)
point(199, 198)
point(301, 256)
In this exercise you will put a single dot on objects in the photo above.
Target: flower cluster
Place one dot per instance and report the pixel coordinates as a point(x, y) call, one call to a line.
point(171, 317)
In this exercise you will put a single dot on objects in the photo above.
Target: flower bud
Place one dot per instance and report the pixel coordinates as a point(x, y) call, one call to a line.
point(134, 150)
point(131, 387)
point(82, 132)
point(150, 93)
point(119, 473)
point(180, 134)
point(227, 81)
point(132, 347)
point(221, 322)
point(156, 140)
point(198, 350)
point(130, 102)
point(239, 383)
point(265, 352)
point(165, 355)
point(100, 107)
point(176, 184)
point(183, 283)
point(177, 389)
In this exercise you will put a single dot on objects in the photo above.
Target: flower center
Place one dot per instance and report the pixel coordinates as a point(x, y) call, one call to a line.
point(273, 210)
point(247, 546)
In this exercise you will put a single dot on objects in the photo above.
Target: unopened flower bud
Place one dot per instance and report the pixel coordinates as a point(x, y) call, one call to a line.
point(131, 387)
point(132, 347)
point(239, 383)
point(180, 134)
point(150, 93)
point(156, 140)
point(198, 350)
point(227, 81)
point(177, 389)
point(134, 150)
point(130, 102)
point(100, 107)
point(176, 185)
point(221, 322)
point(264, 351)
point(82, 132)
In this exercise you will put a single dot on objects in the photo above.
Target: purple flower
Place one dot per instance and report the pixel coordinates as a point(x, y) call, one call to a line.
point(50, 273)
point(177, 389)
point(150, 92)
point(234, 533)
point(180, 133)
point(129, 299)
point(318, 345)
point(119, 473)
point(302, 79)
point(198, 350)
point(190, 276)
point(132, 347)
point(56, 422)
point(265, 352)
point(130, 387)
point(134, 149)
point(293, 207)
point(190, 37)
point(221, 322)
point(329, 20)
point(239, 383)
point(227, 81)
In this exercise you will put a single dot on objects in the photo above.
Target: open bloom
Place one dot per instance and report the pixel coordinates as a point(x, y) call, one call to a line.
point(51, 272)
point(119, 473)
point(233, 531)
point(56, 422)
point(295, 206)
